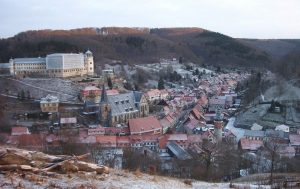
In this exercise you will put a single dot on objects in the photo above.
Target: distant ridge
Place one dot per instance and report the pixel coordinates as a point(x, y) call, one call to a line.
point(137, 45)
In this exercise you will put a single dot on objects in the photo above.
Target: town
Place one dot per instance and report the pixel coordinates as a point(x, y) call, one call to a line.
point(170, 117)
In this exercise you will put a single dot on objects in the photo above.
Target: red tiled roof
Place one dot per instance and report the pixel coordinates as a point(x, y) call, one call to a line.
point(177, 137)
point(196, 113)
point(247, 144)
point(87, 140)
point(144, 125)
point(19, 130)
point(107, 140)
point(36, 140)
point(192, 124)
point(162, 142)
point(153, 92)
point(137, 138)
point(123, 139)
point(112, 92)
point(116, 130)
point(194, 138)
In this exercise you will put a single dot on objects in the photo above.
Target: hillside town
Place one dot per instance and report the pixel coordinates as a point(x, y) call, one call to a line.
point(168, 112)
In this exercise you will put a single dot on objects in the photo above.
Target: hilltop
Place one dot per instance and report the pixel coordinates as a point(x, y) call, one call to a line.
point(136, 45)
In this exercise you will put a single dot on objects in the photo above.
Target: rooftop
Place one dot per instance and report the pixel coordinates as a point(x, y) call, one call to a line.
point(143, 125)
point(50, 98)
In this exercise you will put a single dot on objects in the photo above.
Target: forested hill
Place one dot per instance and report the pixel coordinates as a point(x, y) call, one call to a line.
point(137, 45)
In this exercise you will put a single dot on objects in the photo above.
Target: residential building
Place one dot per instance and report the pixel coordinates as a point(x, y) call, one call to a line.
point(49, 104)
point(90, 93)
point(283, 128)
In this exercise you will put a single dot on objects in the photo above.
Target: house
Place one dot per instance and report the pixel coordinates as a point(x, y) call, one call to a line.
point(166, 123)
point(215, 103)
point(254, 135)
point(142, 141)
point(16, 131)
point(277, 135)
point(230, 137)
point(283, 128)
point(49, 104)
point(123, 141)
point(194, 139)
point(295, 142)
point(145, 125)
point(153, 95)
point(68, 121)
point(286, 151)
point(90, 93)
point(180, 139)
point(116, 131)
point(96, 131)
point(191, 125)
point(251, 145)
point(107, 141)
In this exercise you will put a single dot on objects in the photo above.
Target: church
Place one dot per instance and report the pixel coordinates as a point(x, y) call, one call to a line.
point(118, 108)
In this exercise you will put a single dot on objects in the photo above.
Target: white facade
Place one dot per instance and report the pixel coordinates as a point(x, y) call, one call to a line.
point(54, 65)
point(64, 61)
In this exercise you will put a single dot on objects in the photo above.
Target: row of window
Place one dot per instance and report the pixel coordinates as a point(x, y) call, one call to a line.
point(124, 117)
point(50, 109)
point(30, 68)
point(49, 104)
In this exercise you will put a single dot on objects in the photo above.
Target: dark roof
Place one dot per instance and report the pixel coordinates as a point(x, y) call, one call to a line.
point(126, 102)
point(276, 134)
point(30, 60)
point(252, 133)
point(178, 151)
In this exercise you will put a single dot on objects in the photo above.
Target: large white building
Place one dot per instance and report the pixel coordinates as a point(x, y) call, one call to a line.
point(54, 65)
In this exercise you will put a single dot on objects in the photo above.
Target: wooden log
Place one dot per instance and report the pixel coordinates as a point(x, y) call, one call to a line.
point(16, 167)
point(56, 165)
point(69, 166)
point(89, 167)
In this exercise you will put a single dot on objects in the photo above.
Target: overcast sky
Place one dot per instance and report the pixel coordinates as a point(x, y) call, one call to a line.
point(236, 18)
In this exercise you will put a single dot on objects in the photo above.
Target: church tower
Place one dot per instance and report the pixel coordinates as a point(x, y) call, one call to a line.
point(11, 67)
point(218, 123)
point(89, 62)
point(105, 109)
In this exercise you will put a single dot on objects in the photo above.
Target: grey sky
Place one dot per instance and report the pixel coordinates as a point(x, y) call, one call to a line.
point(237, 18)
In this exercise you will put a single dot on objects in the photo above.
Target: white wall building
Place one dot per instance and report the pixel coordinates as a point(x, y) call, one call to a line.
point(54, 65)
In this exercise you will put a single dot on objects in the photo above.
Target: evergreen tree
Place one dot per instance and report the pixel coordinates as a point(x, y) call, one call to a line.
point(22, 95)
point(197, 72)
point(19, 96)
point(160, 84)
point(109, 83)
point(28, 96)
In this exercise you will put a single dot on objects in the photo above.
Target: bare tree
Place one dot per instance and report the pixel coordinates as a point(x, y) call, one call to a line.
point(272, 148)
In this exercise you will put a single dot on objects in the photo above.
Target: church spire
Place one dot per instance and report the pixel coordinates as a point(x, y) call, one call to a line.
point(104, 95)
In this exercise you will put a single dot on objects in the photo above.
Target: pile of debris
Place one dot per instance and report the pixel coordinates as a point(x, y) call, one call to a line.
point(12, 159)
